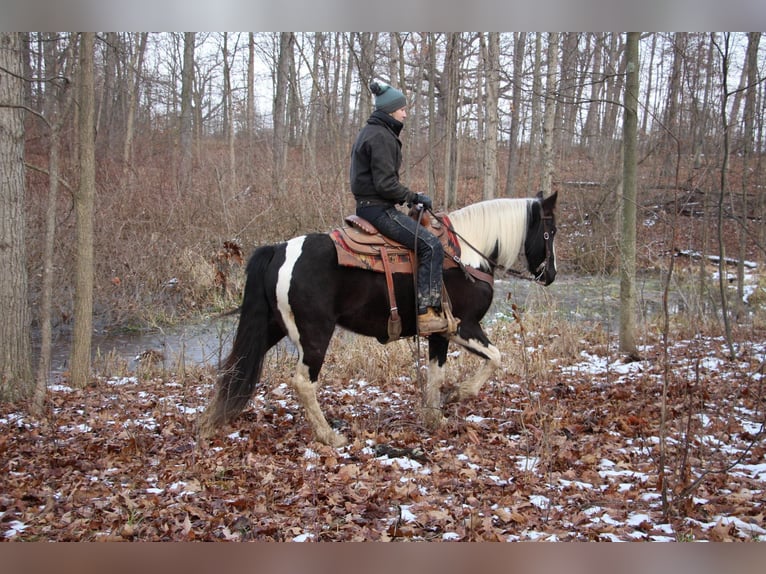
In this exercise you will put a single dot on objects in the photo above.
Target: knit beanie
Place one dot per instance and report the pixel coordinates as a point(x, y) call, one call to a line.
point(387, 98)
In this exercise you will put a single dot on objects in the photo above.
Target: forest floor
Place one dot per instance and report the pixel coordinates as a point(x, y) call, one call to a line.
point(567, 442)
point(570, 448)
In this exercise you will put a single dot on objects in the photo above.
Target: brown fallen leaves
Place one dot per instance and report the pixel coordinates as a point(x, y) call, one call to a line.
point(573, 455)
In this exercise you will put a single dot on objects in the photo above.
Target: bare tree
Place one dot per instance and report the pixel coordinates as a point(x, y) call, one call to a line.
point(56, 106)
point(724, 52)
point(450, 87)
point(84, 200)
point(520, 39)
point(187, 124)
point(133, 87)
point(281, 88)
point(550, 113)
point(491, 56)
point(751, 67)
point(15, 342)
point(629, 183)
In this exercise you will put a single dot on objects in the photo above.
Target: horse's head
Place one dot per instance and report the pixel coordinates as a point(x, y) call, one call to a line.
point(538, 245)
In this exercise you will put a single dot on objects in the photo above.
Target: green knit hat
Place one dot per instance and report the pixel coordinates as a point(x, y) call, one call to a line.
point(387, 98)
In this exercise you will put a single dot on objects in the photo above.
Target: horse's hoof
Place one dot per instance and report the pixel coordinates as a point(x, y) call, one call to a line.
point(434, 419)
point(333, 439)
point(450, 395)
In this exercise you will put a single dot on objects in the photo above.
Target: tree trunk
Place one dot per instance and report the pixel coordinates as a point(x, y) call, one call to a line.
point(187, 123)
point(492, 79)
point(279, 144)
point(513, 137)
point(722, 278)
point(629, 183)
point(15, 342)
point(133, 85)
point(84, 200)
point(431, 66)
point(590, 131)
point(535, 114)
point(56, 107)
point(450, 78)
point(549, 114)
point(751, 65)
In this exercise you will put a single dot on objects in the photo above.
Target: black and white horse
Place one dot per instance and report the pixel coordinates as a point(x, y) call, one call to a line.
point(297, 289)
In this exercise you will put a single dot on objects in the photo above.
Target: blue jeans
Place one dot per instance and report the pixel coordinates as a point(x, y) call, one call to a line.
point(400, 227)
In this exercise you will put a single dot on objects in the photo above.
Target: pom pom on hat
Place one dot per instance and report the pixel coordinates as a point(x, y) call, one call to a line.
point(387, 98)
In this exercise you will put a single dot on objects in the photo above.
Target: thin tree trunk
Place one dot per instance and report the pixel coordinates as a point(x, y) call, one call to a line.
point(492, 72)
point(84, 205)
point(57, 107)
point(629, 183)
point(279, 145)
point(187, 123)
point(722, 278)
point(450, 78)
point(549, 114)
point(751, 65)
point(537, 98)
point(431, 115)
point(133, 84)
point(513, 138)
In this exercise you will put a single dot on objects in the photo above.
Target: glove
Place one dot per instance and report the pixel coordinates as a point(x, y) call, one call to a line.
point(424, 200)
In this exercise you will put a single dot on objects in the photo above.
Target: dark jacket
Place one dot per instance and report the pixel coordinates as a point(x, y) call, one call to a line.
point(375, 161)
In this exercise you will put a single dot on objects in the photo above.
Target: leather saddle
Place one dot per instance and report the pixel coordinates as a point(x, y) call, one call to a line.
point(361, 245)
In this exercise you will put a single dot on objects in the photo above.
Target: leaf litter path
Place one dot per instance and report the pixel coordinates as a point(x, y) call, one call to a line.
point(572, 455)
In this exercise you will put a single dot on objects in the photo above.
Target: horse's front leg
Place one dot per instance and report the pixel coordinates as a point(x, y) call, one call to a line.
point(431, 400)
point(481, 346)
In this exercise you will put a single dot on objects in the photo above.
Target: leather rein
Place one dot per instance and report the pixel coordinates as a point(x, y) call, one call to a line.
point(494, 264)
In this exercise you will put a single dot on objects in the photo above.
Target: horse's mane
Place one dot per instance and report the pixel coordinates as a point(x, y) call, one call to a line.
point(492, 224)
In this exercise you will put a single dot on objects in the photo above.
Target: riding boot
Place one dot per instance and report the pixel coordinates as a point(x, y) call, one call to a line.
point(432, 322)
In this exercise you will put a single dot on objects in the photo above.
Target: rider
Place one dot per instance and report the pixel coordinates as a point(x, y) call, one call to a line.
point(375, 161)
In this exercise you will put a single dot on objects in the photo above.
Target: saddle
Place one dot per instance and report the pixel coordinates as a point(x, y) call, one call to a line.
point(360, 245)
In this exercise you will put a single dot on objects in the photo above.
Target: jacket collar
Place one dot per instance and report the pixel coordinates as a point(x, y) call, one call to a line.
point(380, 117)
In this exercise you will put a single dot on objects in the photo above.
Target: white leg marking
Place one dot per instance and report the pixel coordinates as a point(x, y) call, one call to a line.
point(284, 279)
point(472, 386)
point(432, 411)
point(307, 396)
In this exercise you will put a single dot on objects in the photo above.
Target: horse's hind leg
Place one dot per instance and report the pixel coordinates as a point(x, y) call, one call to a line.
point(305, 389)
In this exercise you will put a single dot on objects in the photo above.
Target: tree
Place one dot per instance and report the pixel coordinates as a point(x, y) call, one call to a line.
point(491, 55)
point(84, 201)
point(513, 138)
point(450, 79)
point(186, 128)
point(628, 235)
point(15, 342)
point(549, 114)
point(56, 105)
point(279, 146)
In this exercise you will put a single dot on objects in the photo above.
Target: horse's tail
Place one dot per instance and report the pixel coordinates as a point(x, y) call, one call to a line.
point(241, 371)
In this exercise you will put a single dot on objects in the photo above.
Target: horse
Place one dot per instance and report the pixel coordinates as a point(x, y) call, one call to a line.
point(298, 289)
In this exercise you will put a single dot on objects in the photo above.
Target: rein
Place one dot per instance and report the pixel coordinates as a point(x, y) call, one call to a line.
point(493, 263)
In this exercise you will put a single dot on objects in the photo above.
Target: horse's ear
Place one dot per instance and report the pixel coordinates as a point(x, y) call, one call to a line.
point(549, 203)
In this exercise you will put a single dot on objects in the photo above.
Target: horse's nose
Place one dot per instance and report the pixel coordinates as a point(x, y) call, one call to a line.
point(550, 275)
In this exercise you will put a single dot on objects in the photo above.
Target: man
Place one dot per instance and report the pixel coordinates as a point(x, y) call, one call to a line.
point(375, 161)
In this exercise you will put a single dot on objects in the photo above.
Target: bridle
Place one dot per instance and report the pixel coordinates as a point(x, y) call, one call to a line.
point(547, 235)
point(541, 269)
